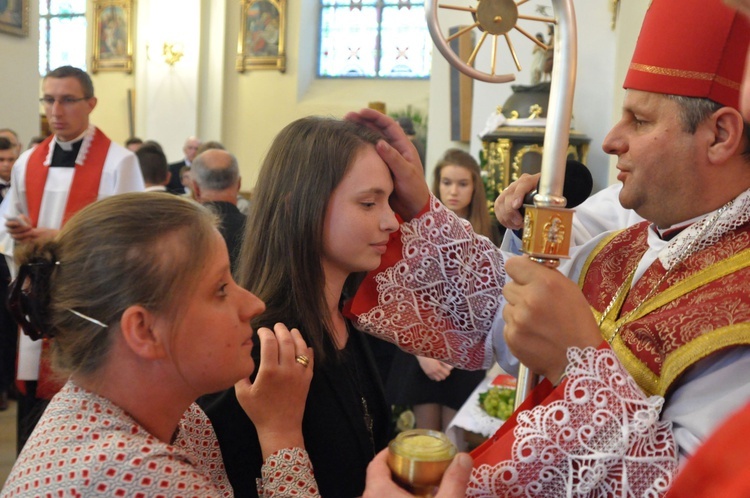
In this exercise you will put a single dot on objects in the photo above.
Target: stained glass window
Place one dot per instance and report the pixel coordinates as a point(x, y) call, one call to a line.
point(62, 34)
point(374, 39)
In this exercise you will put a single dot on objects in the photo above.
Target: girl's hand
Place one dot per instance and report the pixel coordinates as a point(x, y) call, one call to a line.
point(275, 402)
point(411, 193)
point(434, 369)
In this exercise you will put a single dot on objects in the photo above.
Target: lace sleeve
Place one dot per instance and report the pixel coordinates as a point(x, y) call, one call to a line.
point(603, 438)
point(288, 472)
point(440, 299)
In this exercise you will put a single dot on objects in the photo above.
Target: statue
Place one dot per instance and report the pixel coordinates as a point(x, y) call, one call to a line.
point(542, 56)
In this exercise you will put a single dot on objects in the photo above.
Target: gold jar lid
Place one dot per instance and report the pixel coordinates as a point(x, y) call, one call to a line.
point(423, 445)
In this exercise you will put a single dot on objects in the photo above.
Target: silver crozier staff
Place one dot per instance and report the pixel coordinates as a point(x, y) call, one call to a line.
point(547, 224)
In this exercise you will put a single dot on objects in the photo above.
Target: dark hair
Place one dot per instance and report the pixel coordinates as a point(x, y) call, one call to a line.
point(280, 260)
point(479, 214)
point(222, 172)
point(73, 72)
point(124, 250)
point(155, 144)
point(154, 166)
point(407, 125)
point(133, 140)
point(8, 130)
point(695, 110)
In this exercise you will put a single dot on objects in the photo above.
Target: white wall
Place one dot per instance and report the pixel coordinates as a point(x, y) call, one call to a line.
point(439, 124)
point(628, 26)
point(19, 92)
point(167, 97)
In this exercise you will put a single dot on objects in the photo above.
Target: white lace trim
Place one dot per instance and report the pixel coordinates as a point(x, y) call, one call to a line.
point(441, 298)
point(603, 439)
point(82, 152)
point(716, 224)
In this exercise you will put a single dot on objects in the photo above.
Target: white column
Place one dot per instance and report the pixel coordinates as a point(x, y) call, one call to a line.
point(167, 97)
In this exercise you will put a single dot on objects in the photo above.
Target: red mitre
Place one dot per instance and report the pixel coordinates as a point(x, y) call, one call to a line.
point(694, 48)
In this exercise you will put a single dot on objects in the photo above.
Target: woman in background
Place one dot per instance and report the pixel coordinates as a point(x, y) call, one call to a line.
point(320, 214)
point(457, 183)
point(434, 389)
point(136, 293)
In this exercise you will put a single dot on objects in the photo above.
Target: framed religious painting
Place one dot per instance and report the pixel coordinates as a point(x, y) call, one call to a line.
point(113, 36)
point(14, 17)
point(262, 33)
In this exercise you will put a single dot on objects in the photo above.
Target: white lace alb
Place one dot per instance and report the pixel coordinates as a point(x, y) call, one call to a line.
point(735, 214)
point(603, 439)
point(441, 298)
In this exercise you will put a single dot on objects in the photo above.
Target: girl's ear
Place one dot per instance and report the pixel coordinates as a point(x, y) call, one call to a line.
point(137, 328)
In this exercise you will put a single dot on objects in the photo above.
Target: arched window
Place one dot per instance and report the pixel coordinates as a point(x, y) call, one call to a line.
point(62, 34)
point(373, 39)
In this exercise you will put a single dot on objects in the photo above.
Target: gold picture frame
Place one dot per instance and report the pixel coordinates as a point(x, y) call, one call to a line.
point(262, 34)
point(14, 17)
point(113, 36)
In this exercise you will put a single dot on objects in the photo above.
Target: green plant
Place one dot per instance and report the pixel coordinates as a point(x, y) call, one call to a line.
point(417, 117)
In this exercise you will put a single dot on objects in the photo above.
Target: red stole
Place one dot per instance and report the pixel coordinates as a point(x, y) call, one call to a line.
point(701, 307)
point(86, 179)
point(721, 466)
point(84, 190)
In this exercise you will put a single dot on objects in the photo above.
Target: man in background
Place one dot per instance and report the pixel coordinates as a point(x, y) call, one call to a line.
point(154, 167)
point(133, 144)
point(190, 149)
point(8, 156)
point(216, 183)
point(72, 168)
point(13, 137)
point(8, 327)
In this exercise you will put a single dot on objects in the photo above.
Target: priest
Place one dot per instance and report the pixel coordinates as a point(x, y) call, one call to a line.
point(73, 167)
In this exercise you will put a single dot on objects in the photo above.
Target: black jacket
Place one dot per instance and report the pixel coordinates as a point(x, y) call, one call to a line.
point(334, 429)
point(232, 227)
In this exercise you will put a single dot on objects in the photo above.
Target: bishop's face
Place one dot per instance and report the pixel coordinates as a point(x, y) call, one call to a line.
point(658, 160)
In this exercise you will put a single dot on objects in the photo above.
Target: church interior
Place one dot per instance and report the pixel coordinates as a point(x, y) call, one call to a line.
point(203, 94)
point(185, 79)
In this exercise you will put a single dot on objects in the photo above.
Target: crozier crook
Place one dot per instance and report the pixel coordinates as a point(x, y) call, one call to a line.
point(547, 224)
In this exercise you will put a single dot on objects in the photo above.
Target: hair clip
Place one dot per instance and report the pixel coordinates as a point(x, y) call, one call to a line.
point(92, 320)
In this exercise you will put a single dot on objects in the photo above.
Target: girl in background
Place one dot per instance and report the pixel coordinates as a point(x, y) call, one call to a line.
point(434, 389)
point(320, 215)
point(137, 294)
point(457, 183)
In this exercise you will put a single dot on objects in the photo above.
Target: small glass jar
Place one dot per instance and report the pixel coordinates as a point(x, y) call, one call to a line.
point(418, 458)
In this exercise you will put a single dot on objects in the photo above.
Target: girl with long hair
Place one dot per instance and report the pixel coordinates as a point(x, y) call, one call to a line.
point(320, 215)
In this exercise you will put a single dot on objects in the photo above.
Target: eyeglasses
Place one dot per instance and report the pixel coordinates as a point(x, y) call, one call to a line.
point(63, 101)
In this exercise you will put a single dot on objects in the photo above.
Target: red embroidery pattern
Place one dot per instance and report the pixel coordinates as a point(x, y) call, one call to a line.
point(721, 303)
point(288, 472)
point(84, 445)
point(441, 298)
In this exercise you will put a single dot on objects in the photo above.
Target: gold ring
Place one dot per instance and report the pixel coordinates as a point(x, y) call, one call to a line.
point(302, 360)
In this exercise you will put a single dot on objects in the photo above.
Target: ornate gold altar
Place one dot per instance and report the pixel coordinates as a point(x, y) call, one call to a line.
point(510, 151)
